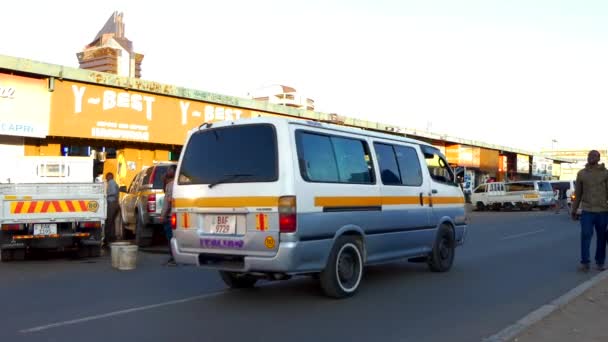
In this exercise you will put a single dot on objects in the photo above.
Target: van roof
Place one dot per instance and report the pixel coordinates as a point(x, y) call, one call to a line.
point(318, 124)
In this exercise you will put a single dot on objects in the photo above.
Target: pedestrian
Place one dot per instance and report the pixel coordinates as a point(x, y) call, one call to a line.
point(562, 199)
point(592, 196)
point(165, 214)
point(112, 207)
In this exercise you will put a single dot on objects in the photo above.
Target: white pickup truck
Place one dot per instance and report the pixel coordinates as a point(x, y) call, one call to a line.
point(524, 195)
point(51, 203)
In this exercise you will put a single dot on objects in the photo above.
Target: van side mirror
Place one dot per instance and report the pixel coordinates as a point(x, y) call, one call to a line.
point(123, 188)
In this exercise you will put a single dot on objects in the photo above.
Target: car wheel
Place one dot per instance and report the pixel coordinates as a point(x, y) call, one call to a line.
point(236, 280)
point(6, 255)
point(119, 230)
point(344, 271)
point(140, 239)
point(442, 255)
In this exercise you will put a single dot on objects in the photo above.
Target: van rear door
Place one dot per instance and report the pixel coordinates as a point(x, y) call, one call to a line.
point(227, 194)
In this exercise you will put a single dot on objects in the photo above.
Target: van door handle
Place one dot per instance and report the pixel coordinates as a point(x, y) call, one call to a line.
point(421, 200)
point(434, 191)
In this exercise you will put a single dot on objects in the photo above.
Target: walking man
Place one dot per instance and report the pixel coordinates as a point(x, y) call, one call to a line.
point(592, 196)
point(112, 203)
point(562, 199)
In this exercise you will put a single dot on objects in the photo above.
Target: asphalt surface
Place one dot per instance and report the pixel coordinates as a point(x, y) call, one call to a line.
point(511, 264)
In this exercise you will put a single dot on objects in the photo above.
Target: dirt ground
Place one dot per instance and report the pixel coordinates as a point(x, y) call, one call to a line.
point(583, 319)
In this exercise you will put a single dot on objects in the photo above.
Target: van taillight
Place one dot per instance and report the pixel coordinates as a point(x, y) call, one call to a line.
point(173, 221)
point(151, 203)
point(287, 214)
point(12, 227)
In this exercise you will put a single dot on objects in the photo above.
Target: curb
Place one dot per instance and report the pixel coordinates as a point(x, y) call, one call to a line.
point(527, 321)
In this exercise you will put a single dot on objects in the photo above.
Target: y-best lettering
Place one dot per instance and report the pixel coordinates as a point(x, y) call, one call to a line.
point(112, 99)
point(212, 113)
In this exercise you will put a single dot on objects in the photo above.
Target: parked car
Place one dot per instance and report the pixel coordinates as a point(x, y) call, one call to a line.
point(142, 202)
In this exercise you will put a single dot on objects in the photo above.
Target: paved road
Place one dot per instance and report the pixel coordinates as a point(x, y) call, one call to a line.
point(512, 263)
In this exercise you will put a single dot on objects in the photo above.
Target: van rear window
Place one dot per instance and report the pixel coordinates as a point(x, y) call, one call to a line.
point(233, 154)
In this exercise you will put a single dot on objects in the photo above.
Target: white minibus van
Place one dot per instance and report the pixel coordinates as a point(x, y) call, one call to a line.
point(273, 198)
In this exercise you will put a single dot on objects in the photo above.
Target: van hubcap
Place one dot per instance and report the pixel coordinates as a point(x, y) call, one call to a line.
point(348, 268)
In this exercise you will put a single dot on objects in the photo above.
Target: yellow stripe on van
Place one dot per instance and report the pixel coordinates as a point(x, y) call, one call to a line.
point(447, 200)
point(348, 201)
point(396, 200)
point(227, 202)
point(384, 200)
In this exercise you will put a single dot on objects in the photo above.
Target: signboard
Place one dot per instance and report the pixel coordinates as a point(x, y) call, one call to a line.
point(99, 112)
point(523, 163)
point(24, 106)
point(542, 167)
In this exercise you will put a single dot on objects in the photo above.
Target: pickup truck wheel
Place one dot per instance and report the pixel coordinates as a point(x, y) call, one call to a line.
point(140, 239)
point(6, 255)
point(236, 280)
point(344, 270)
point(480, 206)
point(442, 256)
point(119, 231)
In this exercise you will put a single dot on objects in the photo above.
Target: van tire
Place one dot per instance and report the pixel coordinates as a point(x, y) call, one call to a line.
point(442, 255)
point(236, 280)
point(342, 275)
point(140, 239)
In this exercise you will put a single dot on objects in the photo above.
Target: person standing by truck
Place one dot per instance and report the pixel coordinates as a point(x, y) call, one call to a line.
point(112, 200)
point(592, 196)
point(165, 214)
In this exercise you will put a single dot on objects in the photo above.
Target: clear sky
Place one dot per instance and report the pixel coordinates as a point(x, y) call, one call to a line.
point(520, 73)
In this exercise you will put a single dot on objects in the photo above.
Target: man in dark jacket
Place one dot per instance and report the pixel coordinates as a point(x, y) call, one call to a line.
point(592, 196)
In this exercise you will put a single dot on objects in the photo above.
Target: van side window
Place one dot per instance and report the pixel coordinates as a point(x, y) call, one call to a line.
point(399, 165)
point(439, 168)
point(409, 165)
point(389, 170)
point(333, 159)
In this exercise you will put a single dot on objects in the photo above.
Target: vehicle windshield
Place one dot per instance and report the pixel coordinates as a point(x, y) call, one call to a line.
point(218, 155)
point(544, 186)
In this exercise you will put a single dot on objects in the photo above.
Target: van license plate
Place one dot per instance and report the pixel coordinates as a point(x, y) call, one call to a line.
point(45, 228)
point(223, 224)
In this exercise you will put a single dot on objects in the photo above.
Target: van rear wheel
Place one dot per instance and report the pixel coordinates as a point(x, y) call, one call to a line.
point(442, 256)
point(342, 275)
point(236, 280)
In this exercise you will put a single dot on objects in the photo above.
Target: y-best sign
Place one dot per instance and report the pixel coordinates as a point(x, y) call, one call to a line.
point(83, 110)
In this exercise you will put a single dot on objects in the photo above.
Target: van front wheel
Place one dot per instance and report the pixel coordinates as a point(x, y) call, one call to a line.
point(236, 280)
point(442, 256)
point(342, 275)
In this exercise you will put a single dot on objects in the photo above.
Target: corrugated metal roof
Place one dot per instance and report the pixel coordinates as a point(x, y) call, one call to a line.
point(74, 74)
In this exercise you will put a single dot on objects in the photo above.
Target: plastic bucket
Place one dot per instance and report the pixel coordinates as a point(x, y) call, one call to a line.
point(127, 257)
point(114, 251)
